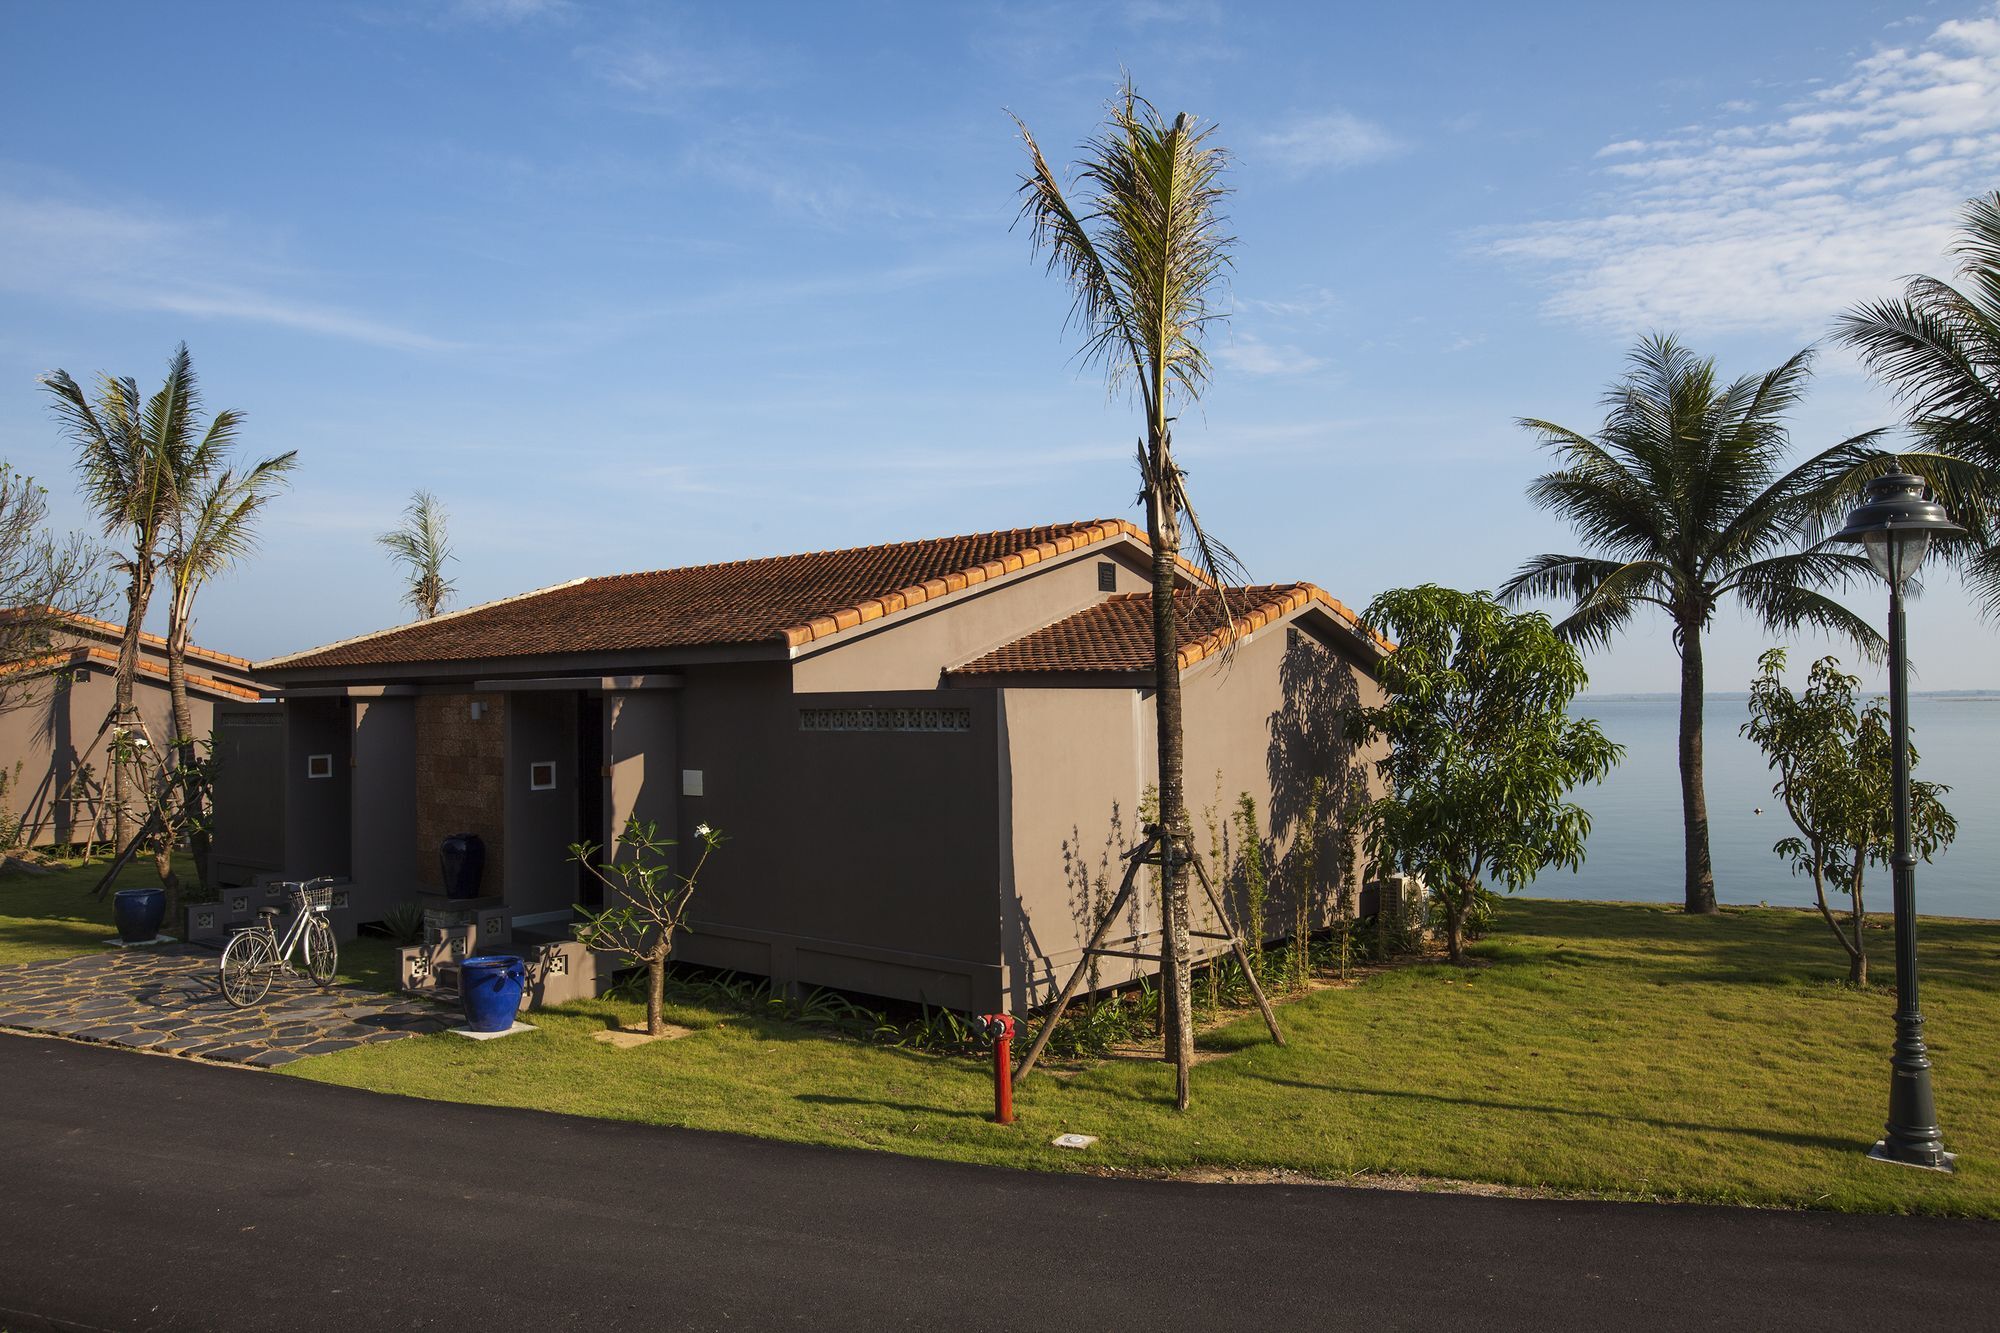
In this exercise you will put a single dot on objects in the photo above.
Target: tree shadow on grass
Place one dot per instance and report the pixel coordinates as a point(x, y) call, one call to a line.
point(1574, 1113)
point(829, 1099)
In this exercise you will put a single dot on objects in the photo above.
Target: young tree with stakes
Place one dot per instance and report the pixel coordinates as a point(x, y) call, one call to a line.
point(1143, 256)
point(1834, 778)
point(1482, 751)
point(646, 904)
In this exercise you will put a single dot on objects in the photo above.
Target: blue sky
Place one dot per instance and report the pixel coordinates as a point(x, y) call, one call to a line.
point(639, 286)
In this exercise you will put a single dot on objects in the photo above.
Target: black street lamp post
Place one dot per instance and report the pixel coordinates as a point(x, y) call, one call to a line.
point(1895, 524)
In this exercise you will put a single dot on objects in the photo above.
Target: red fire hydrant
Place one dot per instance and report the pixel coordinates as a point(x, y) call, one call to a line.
point(1000, 1027)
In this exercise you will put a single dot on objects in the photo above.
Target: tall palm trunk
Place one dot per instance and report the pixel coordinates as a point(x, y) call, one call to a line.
point(1161, 531)
point(138, 594)
point(1694, 798)
point(180, 629)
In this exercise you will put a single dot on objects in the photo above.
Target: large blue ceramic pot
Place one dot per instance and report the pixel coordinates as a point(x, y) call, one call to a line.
point(489, 990)
point(139, 913)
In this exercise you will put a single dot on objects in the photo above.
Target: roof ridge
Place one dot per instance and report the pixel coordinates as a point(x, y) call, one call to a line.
point(847, 550)
point(113, 627)
point(271, 662)
point(87, 653)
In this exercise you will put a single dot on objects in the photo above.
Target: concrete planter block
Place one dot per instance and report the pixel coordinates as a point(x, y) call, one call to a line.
point(207, 923)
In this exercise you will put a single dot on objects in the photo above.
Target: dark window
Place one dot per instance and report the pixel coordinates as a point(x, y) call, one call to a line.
point(1107, 576)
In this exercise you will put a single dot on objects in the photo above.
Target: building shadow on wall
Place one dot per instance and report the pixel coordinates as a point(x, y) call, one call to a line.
point(1310, 745)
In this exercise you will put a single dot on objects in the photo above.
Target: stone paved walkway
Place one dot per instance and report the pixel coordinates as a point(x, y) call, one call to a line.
point(167, 999)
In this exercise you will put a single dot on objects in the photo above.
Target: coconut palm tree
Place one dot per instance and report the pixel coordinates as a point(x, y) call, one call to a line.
point(130, 457)
point(422, 548)
point(1143, 257)
point(1937, 347)
point(214, 526)
point(1683, 504)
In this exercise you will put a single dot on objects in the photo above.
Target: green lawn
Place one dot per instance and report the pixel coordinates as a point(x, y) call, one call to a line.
point(56, 916)
point(1598, 1049)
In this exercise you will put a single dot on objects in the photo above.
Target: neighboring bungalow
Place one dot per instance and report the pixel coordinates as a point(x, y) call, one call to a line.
point(55, 724)
point(924, 755)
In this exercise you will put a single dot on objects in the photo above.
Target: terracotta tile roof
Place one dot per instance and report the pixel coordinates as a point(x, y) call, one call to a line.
point(71, 657)
point(792, 600)
point(112, 630)
point(1116, 635)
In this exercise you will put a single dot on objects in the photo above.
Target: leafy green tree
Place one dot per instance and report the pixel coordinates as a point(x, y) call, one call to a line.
point(1481, 750)
point(1834, 766)
point(646, 904)
point(422, 548)
point(43, 579)
point(1143, 258)
point(131, 457)
point(1938, 348)
point(1684, 503)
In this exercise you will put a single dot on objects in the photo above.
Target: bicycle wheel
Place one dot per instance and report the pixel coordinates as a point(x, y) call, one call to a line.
point(247, 965)
point(322, 953)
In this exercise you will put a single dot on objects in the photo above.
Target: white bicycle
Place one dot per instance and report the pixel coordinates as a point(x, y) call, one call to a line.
point(256, 955)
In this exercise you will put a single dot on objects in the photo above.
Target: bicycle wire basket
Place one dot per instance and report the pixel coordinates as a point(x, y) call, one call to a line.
point(310, 896)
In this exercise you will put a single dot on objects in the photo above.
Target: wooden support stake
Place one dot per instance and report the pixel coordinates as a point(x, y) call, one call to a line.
point(1083, 963)
point(1242, 959)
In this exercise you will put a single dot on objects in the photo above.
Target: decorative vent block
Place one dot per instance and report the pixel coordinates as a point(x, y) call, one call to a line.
point(885, 719)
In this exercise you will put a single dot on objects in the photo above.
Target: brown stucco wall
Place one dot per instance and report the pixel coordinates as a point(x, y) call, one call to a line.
point(540, 878)
point(59, 726)
point(318, 811)
point(860, 859)
point(1079, 760)
point(460, 782)
point(384, 838)
point(1267, 723)
point(249, 792)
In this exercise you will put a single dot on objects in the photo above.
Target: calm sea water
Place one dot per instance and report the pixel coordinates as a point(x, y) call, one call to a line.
point(1635, 841)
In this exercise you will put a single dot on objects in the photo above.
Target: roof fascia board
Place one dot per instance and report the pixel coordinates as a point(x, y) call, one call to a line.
point(345, 692)
point(630, 662)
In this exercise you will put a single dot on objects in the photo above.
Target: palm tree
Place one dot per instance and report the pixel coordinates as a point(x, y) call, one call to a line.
point(1938, 348)
point(1681, 499)
point(129, 459)
point(1142, 261)
point(214, 526)
point(422, 547)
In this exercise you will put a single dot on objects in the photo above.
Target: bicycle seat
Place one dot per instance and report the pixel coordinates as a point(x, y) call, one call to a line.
point(271, 912)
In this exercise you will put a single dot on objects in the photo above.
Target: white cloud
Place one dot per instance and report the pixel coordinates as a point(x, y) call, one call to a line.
point(1251, 355)
point(1781, 223)
point(1307, 303)
point(60, 250)
point(507, 11)
point(1332, 141)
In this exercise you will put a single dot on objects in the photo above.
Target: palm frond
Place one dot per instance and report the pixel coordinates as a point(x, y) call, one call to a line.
point(1789, 608)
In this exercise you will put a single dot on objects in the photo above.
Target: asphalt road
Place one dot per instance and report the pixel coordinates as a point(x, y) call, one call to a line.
point(138, 1192)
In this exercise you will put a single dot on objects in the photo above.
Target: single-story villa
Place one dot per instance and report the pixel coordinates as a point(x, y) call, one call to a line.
point(925, 756)
point(54, 726)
